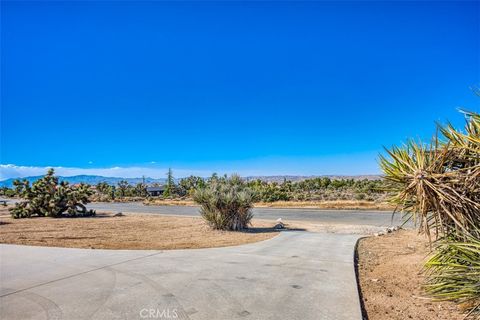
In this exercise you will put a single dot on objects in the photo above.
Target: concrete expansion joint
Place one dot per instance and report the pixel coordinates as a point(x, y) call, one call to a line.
point(81, 273)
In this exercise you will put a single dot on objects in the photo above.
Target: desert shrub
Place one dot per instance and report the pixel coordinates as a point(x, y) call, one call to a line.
point(226, 203)
point(46, 197)
point(437, 186)
point(316, 189)
point(4, 191)
point(360, 196)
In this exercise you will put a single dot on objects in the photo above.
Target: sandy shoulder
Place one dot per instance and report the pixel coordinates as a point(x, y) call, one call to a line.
point(390, 277)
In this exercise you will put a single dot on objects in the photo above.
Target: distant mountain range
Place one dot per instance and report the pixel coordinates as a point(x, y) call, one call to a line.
point(91, 179)
point(280, 179)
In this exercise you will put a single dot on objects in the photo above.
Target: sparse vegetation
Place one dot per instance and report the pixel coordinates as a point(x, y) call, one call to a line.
point(187, 186)
point(314, 190)
point(47, 197)
point(105, 191)
point(226, 203)
point(7, 192)
point(438, 186)
point(318, 189)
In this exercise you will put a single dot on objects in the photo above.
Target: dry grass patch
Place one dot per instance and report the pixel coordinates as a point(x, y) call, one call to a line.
point(337, 204)
point(106, 231)
point(169, 202)
point(390, 280)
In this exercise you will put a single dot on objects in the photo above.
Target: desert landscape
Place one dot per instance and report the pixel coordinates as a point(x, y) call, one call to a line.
point(244, 160)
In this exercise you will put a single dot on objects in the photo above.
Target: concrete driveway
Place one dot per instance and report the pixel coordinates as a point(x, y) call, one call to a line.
point(296, 275)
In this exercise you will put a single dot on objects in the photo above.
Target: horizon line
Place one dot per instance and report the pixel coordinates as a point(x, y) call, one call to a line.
point(11, 171)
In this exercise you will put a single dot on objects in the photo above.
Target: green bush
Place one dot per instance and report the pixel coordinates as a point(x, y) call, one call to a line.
point(46, 197)
point(226, 203)
point(315, 189)
point(360, 196)
point(4, 191)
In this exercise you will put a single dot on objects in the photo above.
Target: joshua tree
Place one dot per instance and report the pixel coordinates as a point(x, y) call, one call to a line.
point(103, 187)
point(122, 188)
point(107, 190)
point(190, 184)
point(48, 197)
point(141, 189)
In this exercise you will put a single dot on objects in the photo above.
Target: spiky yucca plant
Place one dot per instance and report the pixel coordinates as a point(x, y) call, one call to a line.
point(226, 203)
point(453, 272)
point(438, 185)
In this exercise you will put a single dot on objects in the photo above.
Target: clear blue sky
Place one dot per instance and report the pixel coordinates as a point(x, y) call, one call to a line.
point(254, 87)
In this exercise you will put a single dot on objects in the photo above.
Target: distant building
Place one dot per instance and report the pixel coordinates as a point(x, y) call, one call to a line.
point(155, 191)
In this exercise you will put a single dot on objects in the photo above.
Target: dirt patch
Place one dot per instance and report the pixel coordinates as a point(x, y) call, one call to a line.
point(106, 231)
point(338, 204)
point(391, 282)
point(340, 228)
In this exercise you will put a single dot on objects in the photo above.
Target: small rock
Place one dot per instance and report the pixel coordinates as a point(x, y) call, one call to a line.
point(374, 280)
point(118, 214)
point(279, 220)
point(279, 226)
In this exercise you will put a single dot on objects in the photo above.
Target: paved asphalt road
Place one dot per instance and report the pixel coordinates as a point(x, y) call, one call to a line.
point(339, 217)
point(351, 217)
point(296, 275)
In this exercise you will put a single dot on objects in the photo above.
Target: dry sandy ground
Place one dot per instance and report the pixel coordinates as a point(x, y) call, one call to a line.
point(390, 279)
point(106, 231)
point(338, 204)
